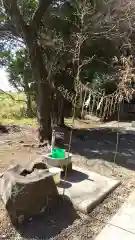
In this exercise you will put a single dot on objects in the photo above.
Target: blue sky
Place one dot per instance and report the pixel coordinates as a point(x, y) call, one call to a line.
point(4, 84)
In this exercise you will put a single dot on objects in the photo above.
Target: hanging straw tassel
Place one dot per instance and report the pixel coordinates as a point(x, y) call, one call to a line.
point(108, 108)
point(115, 104)
point(105, 108)
point(111, 105)
point(89, 103)
point(83, 103)
point(94, 99)
point(100, 106)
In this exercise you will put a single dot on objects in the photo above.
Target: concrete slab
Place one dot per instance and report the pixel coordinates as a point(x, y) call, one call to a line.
point(125, 217)
point(114, 233)
point(122, 225)
point(86, 189)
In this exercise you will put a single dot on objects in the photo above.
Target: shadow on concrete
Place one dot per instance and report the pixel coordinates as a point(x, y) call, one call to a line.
point(101, 144)
point(50, 223)
point(72, 177)
point(64, 184)
point(76, 176)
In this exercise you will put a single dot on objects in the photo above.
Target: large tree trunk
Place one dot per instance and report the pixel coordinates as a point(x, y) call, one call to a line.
point(57, 116)
point(28, 99)
point(44, 111)
point(57, 119)
point(43, 90)
point(50, 105)
point(29, 107)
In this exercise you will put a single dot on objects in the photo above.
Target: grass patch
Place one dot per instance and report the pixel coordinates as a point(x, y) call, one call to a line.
point(13, 109)
point(68, 121)
point(22, 121)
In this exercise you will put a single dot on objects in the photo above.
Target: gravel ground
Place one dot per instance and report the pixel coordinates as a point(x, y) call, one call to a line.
point(96, 149)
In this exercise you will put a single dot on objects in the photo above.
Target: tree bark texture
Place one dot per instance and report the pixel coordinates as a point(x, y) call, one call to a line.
point(43, 91)
point(27, 92)
point(57, 115)
point(29, 107)
point(50, 104)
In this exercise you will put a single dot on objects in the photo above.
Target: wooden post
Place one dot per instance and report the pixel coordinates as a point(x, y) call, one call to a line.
point(53, 140)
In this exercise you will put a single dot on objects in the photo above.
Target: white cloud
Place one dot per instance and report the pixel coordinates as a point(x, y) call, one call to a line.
point(4, 83)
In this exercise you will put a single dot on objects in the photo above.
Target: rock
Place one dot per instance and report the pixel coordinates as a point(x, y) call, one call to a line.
point(39, 163)
point(3, 129)
point(26, 195)
point(15, 168)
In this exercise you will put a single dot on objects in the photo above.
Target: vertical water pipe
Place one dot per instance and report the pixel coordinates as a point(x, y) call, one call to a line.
point(53, 141)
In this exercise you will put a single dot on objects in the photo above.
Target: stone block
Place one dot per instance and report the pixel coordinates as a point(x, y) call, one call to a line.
point(25, 195)
point(86, 189)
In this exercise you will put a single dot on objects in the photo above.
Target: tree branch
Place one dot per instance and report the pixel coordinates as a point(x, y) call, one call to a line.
point(85, 62)
point(17, 100)
point(43, 5)
point(7, 29)
point(12, 8)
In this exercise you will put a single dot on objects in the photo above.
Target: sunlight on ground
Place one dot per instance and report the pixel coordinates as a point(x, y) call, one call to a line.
point(13, 109)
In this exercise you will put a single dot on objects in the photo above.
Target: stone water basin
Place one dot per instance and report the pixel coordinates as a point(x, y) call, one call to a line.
point(58, 162)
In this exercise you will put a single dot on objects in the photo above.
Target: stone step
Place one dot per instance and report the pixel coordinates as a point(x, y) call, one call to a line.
point(86, 189)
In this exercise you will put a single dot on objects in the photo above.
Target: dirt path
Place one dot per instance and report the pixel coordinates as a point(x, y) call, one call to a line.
point(96, 148)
